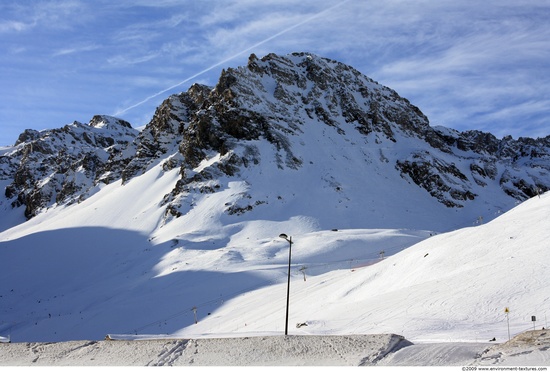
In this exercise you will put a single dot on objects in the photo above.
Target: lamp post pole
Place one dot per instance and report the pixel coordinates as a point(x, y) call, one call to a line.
point(289, 240)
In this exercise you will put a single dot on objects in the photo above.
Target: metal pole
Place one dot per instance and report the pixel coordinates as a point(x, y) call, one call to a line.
point(288, 284)
point(289, 240)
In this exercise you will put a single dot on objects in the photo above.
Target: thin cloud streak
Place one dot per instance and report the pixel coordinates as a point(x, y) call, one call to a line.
point(80, 49)
point(288, 29)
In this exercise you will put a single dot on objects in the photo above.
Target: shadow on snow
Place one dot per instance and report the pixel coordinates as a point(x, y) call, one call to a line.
point(83, 283)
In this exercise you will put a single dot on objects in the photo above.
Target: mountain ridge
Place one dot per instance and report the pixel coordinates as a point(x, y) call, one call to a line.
point(276, 99)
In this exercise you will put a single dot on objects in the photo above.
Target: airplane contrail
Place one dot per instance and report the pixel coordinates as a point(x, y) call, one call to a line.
point(309, 19)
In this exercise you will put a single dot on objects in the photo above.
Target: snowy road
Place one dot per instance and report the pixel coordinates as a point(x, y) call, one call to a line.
point(440, 354)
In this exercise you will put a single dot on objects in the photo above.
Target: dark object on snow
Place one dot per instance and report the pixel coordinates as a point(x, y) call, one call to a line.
point(299, 325)
point(426, 254)
point(493, 339)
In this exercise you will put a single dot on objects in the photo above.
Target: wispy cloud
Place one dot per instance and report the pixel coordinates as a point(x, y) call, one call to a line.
point(14, 26)
point(60, 14)
point(466, 64)
point(125, 60)
point(473, 70)
point(74, 50)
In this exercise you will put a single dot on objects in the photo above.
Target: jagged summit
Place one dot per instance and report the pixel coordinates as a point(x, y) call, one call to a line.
point(106, 121)
point(301, 134)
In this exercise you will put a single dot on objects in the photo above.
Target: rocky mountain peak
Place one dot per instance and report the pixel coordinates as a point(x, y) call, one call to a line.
point(63, 165)
point(322, 89)
point(106, 121)
point(298, 113)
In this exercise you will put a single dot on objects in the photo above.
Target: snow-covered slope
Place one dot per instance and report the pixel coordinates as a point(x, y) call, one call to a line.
point(78, 274)
point(83, 272)
point(451, 287)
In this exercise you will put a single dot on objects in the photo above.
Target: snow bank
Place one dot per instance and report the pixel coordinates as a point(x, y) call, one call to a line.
point(528, 349)
point(274, 350)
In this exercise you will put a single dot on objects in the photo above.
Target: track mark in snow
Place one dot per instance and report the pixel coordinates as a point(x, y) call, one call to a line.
point(82, 349)
point(170, 353)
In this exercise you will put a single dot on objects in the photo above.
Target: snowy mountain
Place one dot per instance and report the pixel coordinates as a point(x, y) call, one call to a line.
point(316, 128)
point(63, 165)
point(109, 230)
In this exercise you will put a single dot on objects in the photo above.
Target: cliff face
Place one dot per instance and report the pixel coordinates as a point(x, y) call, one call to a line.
point(276, 115)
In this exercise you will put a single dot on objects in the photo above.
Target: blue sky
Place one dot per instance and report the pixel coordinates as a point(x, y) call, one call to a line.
point(466, 64)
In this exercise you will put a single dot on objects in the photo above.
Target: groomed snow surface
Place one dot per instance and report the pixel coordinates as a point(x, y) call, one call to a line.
point(82, 272)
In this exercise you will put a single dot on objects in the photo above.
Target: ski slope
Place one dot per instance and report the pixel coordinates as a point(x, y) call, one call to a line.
point(80, 273)
point(450, 287)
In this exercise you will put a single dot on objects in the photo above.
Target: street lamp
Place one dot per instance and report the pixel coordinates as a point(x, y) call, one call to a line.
point(289, 240)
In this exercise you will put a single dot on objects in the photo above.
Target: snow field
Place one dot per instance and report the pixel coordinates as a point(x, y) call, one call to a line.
point(115, 264)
